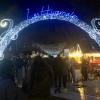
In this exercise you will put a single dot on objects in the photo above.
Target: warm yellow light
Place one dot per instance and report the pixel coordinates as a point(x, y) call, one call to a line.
point(75, 55)
point(92, 55)
point(82, 93)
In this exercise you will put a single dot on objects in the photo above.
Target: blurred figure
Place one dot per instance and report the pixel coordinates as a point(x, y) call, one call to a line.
point(84, 70)
point(72, 69)
point(40, 80)
point(66, 74)
point(8, 89)
point(58, 67)
point(27, 62)
point(19, 64)
point(65, 66)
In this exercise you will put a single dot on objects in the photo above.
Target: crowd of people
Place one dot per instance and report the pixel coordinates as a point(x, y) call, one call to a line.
point(26, 78)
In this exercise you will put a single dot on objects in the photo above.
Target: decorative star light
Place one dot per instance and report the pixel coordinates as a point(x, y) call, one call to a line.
point(13, 31)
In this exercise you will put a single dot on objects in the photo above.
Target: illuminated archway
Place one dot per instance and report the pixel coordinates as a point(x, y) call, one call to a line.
point(13, 31)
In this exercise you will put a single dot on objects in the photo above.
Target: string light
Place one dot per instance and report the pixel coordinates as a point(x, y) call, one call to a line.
point(13, 32)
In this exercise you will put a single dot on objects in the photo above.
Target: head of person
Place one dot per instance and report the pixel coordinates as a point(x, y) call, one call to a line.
point(27, 56)
point(21, 55)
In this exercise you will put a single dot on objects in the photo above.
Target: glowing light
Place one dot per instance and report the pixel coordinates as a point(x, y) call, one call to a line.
point(13, 32)
point(45, 56)
point(14, 37)
point(3, 24)
point(93, 22)
point(76, 54)
point(82, 93)
point(92, 55)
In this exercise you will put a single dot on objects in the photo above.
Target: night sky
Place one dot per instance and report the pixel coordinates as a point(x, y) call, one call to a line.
point(53, 31)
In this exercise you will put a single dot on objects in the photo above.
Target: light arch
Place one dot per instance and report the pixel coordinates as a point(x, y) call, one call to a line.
point(13, 31)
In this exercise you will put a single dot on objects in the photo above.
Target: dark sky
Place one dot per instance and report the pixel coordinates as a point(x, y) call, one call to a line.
point(52, 31)
point(83, 8)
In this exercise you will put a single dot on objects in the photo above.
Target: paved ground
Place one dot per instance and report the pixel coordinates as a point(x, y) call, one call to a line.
point(89, 90)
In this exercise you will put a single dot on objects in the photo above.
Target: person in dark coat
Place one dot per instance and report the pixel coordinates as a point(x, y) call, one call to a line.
point(59, 71)
point(8, 88)
point(19, 64)
point(40, 79)
point(72, 69)
point(84, 70)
